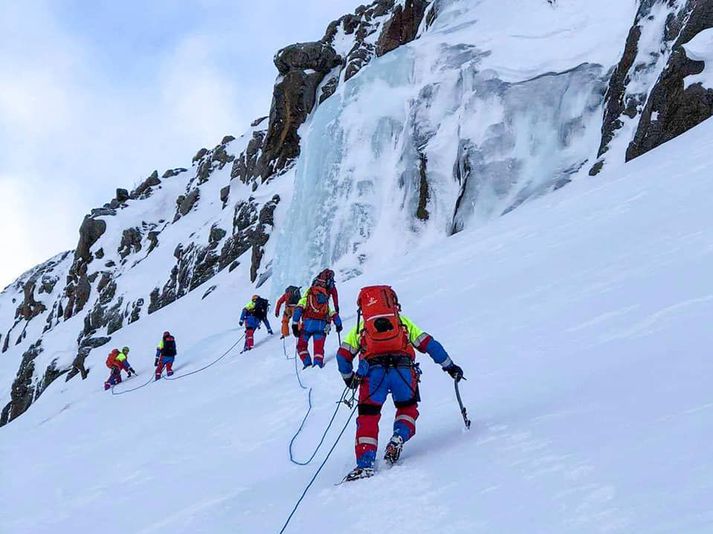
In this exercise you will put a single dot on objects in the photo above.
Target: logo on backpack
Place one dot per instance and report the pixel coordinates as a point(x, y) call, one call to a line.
point(381, 331)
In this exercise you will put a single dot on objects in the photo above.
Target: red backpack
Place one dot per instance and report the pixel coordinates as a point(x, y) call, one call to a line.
point(111, 359)
point(317, 306)
point(381, 331)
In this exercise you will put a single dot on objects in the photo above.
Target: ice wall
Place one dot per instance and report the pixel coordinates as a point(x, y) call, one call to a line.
point(496, 102)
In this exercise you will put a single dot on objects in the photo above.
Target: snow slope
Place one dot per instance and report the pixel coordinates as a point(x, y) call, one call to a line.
point(582, 321)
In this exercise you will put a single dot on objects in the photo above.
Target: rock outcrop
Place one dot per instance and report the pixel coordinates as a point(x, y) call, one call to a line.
point(302, 68)
point(23, 390)
point(672, 108)
point(648, 102)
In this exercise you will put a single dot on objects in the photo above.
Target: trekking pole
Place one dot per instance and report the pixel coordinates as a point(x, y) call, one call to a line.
point(463, 411)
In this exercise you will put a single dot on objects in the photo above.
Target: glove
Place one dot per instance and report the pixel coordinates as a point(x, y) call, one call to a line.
point(240, 323)
point(155, 362)
point(339, 328)
point(276, 314)
point(296, 329)
point(352, 381)
point(455, 371)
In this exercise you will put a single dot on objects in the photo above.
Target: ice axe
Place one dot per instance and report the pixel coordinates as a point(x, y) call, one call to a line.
point(463, 411)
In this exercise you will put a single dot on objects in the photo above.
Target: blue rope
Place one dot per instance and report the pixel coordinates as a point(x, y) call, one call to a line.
point(151, 379)
point(210, 364)
point(304, 493)
point(130, 390)
point(306, 416)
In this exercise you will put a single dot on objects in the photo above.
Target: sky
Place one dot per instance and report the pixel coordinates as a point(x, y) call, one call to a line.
point(96, 94)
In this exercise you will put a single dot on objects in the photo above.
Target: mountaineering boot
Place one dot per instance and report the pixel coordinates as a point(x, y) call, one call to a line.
point(318, 362)
point(359, 473)
point(169, 373)
point(393, 449)
point(270, 332)
point(307, 362)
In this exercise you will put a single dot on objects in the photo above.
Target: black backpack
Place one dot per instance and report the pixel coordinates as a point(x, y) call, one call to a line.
point(261, 306)
point(169, 346)
point(293, 294)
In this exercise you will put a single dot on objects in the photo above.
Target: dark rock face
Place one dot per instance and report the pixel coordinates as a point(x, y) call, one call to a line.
point(30, 308)
point(307, 56)
point(170, 173)
point(394, 25)
point(122, 195)
point(303, 66)
point(52, 373)
point(85, 347)
point(224, 194)
point(136, 311)
point(216, 234)
point(153, 240)
point(246, 165)
point(673, 109)
point(186, 203)
point(89, 233)
point(130, 242)
point(145, 189)
point(402, 27)
point(212, 160)
point(22, 393)
point(664, 109)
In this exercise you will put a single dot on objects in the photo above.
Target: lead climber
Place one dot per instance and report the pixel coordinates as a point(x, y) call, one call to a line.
point(326, 278)
point(316, 316)
point(384, 339)
point(254, 313)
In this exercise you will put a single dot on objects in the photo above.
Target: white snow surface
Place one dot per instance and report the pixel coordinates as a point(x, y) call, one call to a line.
point(582, 321)
point(700, 48)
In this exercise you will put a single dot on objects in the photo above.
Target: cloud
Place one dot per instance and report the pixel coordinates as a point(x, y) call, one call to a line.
point(96, 96)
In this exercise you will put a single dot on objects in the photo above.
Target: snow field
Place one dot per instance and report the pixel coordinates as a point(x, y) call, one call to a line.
point(581, 321)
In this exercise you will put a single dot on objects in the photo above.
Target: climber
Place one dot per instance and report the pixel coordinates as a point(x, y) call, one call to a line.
point(326, 278)
point(165, 355)
point(254, 313)
point(316, 315)
point(385, 340)
point(290, 299)
point(122, 358)
point(113, 363)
